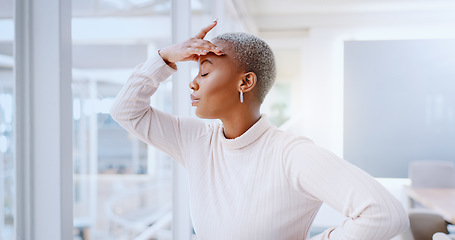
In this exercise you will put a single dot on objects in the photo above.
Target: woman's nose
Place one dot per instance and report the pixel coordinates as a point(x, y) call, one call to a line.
point(193, 85)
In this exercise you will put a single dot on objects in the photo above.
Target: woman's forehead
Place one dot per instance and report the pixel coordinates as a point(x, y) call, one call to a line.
point(213, 59)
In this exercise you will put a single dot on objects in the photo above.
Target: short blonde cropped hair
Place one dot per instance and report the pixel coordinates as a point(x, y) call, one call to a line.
point(253, 55)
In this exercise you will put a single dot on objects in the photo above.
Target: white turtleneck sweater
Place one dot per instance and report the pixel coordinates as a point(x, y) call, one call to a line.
point(265, 184)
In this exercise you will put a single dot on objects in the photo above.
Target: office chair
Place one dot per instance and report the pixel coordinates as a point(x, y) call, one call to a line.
point(432, 174)
point(424, 223)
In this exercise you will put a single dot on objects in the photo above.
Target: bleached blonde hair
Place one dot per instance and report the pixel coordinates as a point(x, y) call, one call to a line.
point(253, 55)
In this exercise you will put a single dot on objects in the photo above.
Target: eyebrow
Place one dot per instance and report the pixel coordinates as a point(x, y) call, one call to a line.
point(204, 61)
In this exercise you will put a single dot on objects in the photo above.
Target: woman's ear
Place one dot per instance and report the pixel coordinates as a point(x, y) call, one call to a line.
point(248, 81)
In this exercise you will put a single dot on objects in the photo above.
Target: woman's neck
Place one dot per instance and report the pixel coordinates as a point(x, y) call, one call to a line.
point(237, 124)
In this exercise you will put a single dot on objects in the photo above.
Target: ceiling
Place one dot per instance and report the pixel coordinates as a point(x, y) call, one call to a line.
point(272, 15)
point(286, 7)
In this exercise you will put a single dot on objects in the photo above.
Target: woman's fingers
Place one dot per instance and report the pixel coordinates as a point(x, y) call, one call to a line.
point(202, 47)
point(203, 44)
point(205, 30)
point(192, 48)
point(193, 57)
point(193, 53)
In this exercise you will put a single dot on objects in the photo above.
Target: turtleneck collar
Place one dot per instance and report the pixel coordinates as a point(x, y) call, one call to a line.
point(251, 135)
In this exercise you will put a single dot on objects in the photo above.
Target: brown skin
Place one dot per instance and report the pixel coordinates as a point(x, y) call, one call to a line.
point(216, 88)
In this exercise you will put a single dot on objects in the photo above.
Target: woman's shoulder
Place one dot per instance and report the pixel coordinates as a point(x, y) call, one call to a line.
point(289, 139)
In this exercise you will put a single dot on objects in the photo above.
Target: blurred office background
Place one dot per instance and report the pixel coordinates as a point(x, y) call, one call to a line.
point(372, 81)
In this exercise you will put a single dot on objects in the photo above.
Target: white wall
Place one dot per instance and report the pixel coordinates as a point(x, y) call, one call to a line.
point(320, 116)
point(399, 104)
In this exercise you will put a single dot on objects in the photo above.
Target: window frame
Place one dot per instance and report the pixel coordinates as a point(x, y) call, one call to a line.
point(181, 28)
point(43, 107)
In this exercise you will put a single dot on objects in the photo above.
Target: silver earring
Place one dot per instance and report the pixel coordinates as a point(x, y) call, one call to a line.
point(241, 96)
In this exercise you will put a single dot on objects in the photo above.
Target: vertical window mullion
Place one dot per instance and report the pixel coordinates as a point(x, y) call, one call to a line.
point(181, 27)
point(43, 119)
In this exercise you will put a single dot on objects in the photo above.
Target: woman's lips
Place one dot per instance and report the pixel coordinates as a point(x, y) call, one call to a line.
point(194, 100)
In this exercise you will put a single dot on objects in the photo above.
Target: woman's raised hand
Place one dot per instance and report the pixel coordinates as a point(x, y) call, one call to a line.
point(191, 49)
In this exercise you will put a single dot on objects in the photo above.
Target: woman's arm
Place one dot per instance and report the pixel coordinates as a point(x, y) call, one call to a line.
point(371, 211)
point(131, 108)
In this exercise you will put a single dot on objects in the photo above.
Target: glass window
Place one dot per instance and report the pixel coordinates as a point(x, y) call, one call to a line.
point(7, 162)
point(121, 185)
point(279, 105)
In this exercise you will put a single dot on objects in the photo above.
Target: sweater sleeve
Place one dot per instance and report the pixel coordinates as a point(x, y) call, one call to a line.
point(371, 211)
point(132, 110)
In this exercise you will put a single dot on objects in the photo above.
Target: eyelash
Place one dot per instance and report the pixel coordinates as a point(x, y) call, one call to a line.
point(203, 75)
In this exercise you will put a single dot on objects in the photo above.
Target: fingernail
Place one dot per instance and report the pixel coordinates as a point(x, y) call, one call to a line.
point(216, 19)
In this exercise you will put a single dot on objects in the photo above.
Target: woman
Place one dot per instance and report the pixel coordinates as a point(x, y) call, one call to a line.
point(249, 180)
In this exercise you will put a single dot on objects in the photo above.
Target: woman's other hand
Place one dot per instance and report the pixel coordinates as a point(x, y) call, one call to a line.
point(191, 49)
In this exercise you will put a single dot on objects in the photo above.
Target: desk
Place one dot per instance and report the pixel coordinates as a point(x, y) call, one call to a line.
point(441, 200)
